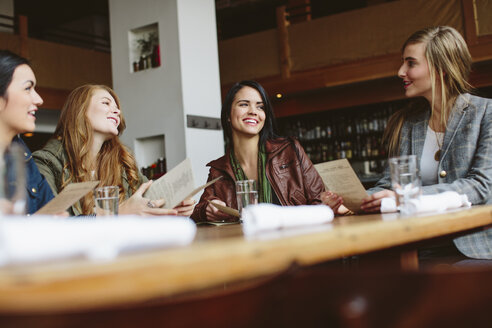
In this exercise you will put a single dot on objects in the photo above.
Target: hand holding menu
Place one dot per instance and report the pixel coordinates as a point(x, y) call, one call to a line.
point(339, 177)
point(226, 209)
point(176, 185)
point(67, 197)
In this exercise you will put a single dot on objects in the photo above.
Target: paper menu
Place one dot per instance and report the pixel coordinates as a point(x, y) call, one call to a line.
point(176, 185)
point(339, 177)
point(67, 197)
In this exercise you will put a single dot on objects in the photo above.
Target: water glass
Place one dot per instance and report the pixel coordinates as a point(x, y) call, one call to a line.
point(246, 193)
point(13, 181)
point(405, 180)
point(106, 200)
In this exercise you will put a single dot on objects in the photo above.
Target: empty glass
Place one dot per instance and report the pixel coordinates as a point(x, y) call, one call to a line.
point(246, 193)
point(13, 181)
point(405, 180)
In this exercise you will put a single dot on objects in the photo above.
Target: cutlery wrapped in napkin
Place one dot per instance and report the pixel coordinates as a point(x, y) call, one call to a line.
point(44, 238)
point(428, 203)
point(265, 217)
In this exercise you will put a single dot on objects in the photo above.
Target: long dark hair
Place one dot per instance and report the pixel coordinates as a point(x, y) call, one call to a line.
point(8, 63)
point(269, 129)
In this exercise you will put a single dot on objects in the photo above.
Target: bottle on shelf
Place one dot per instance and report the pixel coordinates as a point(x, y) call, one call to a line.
point(354, 134)
point(156, 169)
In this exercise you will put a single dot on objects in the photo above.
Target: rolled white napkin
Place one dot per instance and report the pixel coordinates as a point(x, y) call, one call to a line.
point(428, 203)
point(265, 217)
point(437, 203)
point(24, 240)
point(388, 205)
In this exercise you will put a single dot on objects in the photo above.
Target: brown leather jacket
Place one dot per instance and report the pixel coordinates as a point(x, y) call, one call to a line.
point(292, 176)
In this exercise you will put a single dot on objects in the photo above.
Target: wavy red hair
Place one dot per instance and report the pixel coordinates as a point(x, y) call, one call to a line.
point(76, 134)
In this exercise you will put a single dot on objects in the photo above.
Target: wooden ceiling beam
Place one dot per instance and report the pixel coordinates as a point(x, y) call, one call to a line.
point(355, 83)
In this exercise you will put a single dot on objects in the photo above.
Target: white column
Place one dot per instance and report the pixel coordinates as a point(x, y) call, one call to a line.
point(157, 101)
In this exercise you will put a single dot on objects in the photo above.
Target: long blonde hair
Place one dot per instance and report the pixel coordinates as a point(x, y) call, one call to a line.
point(76, 134)
point(449, 65)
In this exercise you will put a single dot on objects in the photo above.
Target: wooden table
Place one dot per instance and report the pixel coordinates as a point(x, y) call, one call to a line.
point(219, 255)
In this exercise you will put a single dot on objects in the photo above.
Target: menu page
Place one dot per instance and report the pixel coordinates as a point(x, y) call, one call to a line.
point(67, 197)
point(176, 185)
point(339, 177)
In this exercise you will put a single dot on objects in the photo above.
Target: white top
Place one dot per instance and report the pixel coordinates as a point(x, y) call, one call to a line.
point(428, 164)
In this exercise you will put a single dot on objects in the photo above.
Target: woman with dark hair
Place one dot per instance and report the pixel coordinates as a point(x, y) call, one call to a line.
point(86, 147)
point(451, 134)
point(19, 102)
point(283, 172)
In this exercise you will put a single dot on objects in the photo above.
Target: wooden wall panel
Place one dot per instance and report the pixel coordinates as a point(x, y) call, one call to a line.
point(60, 66)
point(368, 32)
point(483, 9)
point(249, 57)
point(374, 31)
point(356, 94)
point(52, 98)
point(10, 42)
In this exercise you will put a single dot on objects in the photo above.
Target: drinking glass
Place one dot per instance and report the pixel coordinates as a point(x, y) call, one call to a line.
point(13, 181)
point(106, 200)
point(405, 180)
point(246, 193)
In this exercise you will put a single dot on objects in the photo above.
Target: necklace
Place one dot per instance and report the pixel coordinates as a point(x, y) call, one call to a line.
point(437, 155)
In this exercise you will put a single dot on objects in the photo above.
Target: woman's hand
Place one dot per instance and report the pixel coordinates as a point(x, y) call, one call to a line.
point(139, 205)
point(372, 203)
point(185, 208)
point(213, 214)
point(331, 199)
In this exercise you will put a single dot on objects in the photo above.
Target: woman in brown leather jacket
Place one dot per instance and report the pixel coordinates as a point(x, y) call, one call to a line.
point(284, 173)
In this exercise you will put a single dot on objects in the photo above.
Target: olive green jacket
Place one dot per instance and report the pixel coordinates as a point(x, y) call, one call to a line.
point(51, 162)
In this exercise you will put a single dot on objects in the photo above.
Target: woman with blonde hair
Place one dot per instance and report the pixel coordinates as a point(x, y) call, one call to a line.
point(451, 134)
point(86, 147)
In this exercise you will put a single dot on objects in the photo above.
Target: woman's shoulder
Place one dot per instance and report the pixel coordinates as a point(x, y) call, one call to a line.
point(220, 162)
point(53, 148)
point(52, 152)
point(467, 99)
point(275, 144)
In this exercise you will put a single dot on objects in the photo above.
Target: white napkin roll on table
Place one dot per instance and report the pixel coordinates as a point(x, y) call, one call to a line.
point(388, 205)
point(438, 203)
point(44, 238)
point(265, 217)
point(428, 203)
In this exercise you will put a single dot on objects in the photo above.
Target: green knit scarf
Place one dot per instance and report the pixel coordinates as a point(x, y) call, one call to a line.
point(264, 187)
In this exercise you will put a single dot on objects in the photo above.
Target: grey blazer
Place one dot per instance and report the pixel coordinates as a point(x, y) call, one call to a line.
point(466, 161)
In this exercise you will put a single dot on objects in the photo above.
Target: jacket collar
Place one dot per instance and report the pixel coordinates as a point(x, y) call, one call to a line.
point(223, 164)
point(272, 147)
point(458, 112)
point(420, 129)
